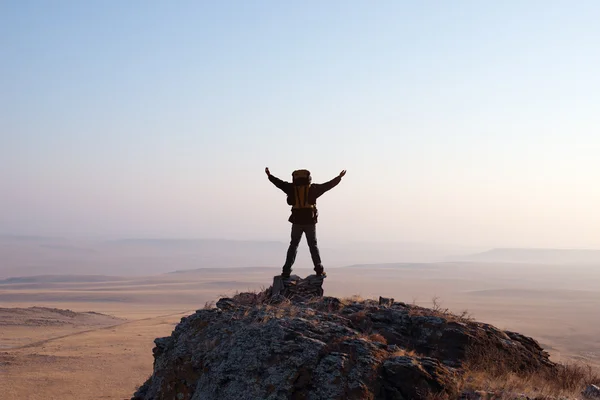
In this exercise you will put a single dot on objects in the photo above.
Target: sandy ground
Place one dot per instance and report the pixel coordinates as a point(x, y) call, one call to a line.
point(102, 363)
point(20, 327)
point(99, 357)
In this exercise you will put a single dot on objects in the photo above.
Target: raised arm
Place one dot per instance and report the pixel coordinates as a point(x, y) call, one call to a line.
point(323, 187)
point(284, 186)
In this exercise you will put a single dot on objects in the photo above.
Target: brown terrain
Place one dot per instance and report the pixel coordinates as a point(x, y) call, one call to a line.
point(102, 347)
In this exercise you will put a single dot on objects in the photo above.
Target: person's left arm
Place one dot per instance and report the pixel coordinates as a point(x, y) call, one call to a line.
point(324, 187)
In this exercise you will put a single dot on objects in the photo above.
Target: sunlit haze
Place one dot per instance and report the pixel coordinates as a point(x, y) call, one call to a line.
point(464, 123)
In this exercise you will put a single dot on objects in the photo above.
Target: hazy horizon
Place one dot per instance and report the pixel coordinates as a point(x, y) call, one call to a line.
point(34, 256)
point(335, 242)
point(464, 124)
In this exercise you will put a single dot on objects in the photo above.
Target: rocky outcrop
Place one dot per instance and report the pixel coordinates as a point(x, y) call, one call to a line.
point(251, 347)
point(296, 288)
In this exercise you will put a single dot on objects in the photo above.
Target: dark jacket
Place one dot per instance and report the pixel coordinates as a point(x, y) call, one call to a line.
point(305, 216)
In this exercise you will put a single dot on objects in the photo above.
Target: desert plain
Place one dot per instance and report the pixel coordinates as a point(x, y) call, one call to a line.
point(90, 336)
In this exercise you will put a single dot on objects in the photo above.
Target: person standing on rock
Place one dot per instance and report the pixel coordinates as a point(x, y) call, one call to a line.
point(302, 195)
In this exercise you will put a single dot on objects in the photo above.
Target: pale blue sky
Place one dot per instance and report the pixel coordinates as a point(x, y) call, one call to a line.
point(464, 122)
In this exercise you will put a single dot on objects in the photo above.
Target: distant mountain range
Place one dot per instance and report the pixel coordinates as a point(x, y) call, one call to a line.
point(397, 265)
point(61, 279)
point(538, 256)
point(34, 255)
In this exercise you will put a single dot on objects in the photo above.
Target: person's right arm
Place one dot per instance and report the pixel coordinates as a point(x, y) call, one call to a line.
point(284, 186)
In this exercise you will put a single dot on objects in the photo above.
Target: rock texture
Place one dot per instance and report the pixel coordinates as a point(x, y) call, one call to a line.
point(296, 288)
point(251, 347)
point(592, 392)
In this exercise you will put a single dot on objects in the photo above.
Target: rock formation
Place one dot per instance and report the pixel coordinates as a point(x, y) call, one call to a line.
point(285, 343)
point(296, 288)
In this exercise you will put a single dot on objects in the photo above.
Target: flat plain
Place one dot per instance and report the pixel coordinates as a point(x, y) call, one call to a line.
point(102, 347)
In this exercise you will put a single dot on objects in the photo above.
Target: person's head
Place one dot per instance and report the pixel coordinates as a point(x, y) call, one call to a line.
point(301, 177)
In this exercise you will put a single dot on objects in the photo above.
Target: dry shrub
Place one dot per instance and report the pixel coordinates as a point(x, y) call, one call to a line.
point(445, 312)
point(405, 353)
point(437, 310)
point(486, 368)
point(376, 337)
point(338, 345)
point(575, 376)
point(361, 321)
point(251, 298)
point(352, 299)
point(358, 316)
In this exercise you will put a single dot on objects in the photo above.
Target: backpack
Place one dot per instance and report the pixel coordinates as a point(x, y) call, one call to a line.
point(301, 185)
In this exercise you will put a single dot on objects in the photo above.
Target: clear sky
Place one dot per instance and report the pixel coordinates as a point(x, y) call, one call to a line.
point(464, 122)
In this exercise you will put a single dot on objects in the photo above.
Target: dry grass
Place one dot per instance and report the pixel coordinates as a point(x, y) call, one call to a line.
point(351, 299)
point(405, 353)
point(569, 382)
point(376, 337)
point(251, 298)
point(483, 370)
point(438, 310)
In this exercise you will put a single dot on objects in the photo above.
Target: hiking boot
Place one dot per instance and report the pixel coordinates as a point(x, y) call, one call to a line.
point(319, 271)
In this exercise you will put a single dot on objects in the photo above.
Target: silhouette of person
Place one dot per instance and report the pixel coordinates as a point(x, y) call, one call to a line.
point(302, 195)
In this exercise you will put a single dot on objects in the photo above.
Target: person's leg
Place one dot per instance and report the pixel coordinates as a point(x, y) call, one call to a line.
point(311, 239)
point(292, 250)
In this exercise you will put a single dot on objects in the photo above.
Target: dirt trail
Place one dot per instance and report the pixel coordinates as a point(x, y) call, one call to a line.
point(45, 341)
